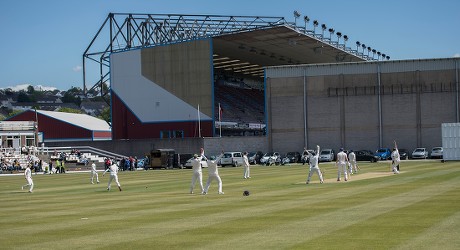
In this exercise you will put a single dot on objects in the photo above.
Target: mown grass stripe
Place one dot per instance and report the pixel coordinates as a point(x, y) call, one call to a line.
point(442, 235)
point(291, 234)
point(271, 209)
point(165, 216)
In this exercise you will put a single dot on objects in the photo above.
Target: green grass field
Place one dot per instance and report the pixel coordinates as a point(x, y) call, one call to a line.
point(417, 209)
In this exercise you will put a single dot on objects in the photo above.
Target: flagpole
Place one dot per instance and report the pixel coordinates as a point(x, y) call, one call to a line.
point(199, 124)
point(220, 121)
point(36, 128)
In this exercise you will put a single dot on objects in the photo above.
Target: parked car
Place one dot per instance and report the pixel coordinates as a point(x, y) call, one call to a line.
point(326, 155)
point(436, 152)
point(403, 154)
point(366, 155)
point(420, 153)
point(183, 158)
point(188, 163)
point(294, 157)
point(254, 157)
point(232, 159)
point(271, 158)
point(383, 153)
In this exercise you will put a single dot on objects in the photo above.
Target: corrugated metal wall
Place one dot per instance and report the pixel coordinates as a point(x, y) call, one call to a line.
point(361, 105)
point(54, 129)
point(361, 68)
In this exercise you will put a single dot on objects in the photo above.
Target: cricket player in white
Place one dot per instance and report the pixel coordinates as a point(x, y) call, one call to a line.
point(28, 176)
point(113, 169)
point(395, 159)
point(197, 173)
point(352, 162)
point(246, 166)
point(94, 173)
point(213, 174)
point(341, 162)
point(314, 167)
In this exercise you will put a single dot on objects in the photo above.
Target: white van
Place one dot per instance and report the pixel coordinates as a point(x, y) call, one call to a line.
point(232, 158)
point(326, 155)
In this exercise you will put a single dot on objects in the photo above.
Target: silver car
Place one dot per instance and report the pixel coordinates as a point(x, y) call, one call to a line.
point(271, 158)
point(420, 153)
point(436, 152)
point(188, 163)
point(326, 155)
point(232, 159)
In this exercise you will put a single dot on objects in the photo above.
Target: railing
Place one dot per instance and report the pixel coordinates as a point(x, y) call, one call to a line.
point(82, 149)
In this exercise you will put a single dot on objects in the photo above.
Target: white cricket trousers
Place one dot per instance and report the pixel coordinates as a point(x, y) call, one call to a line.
point(30, 183)
point(318, 171)
point(219, 182)
point(94, 174)
point(246, 172)
point(353, 167)
point(113, 177)
point(342, 167)
point(197, 175)
point(394, 166)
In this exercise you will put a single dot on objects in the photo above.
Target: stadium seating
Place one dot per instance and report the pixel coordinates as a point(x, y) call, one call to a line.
point(242, 105)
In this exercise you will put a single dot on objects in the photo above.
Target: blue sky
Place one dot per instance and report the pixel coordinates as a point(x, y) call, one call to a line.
point(42, 41)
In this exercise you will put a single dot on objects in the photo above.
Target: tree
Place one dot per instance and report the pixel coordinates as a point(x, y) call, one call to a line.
point(70, 97)
point(23, 97)
point(14, 112)
point(105, 115)
point(9, 91)
point(30, 90)
point(70, 110)
point(75, 91)
point(105, 88)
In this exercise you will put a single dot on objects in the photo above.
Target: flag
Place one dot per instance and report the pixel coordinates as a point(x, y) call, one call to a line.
point(221, 110)
point(220, 120)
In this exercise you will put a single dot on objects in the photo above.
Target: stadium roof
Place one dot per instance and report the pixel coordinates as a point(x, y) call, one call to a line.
point(254, 41)
point(281, 45)
point(80, 120)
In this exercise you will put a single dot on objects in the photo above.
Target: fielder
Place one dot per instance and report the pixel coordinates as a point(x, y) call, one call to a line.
point(246, 174)
point(28, 176)
point(197, 173)
point(395, 159)
point(352, 162)
point(94, 173)
point(113, 169)
point(314, 166)
point(213, 174)
point(341, 162)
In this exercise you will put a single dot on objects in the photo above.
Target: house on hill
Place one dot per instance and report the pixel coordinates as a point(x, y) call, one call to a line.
point(43, 106)
point(93, 108)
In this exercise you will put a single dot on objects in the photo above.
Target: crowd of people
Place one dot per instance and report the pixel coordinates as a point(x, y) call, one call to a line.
point(128, 163)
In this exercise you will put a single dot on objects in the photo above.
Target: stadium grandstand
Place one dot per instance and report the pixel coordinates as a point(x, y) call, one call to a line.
point(173, 75)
